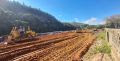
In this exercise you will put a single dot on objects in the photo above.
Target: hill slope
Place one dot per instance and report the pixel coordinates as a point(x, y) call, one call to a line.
point(14, 13)
point(76, 25)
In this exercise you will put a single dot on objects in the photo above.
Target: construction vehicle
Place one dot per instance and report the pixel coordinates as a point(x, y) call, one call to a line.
point(30, 33)
point(15, 34)
point(20, 35)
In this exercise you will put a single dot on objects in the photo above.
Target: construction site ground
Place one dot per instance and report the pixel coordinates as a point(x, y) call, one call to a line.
point(63, 46)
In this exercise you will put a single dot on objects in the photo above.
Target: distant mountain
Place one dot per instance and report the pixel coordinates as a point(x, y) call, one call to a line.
point(76, 25)
point(13, 13)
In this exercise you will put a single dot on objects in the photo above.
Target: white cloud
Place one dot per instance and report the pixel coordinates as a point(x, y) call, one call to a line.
point(94, 21)
point(102, 22)
point(91, 21)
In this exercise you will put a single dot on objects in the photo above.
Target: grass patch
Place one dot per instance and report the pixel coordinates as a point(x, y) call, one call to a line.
point(101, 36)
point(100, 46)
point(104, 47)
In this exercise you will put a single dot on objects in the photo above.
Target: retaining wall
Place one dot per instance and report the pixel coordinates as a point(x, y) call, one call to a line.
point(113, 37)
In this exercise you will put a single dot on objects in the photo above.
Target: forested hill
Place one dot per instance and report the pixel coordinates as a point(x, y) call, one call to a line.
point(13, 13)
point(76, 25)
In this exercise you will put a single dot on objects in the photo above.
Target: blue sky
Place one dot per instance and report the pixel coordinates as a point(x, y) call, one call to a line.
point(85, 11)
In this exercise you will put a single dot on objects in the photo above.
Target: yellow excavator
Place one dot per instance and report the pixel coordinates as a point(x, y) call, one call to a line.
point(30, 33)
point(17, 35)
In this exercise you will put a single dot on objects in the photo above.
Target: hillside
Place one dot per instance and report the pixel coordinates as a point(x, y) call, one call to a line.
point(13, 13)
point(76, 25)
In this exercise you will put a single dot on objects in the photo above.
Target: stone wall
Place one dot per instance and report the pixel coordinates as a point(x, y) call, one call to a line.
point(113, 37)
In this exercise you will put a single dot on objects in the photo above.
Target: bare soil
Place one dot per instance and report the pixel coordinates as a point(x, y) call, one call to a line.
point(65, 46)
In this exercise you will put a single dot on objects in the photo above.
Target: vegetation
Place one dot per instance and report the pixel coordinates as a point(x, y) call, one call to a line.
point(104, 47)
point(101, 36)
point(113, 21)
point(95, 26)
point(15, 14)
point(76, 25)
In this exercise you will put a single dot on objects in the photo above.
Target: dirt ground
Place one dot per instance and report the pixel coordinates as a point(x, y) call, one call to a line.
point(65, 46)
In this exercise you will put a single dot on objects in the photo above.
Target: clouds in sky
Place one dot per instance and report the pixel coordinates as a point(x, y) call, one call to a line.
point(94, 21)
point(91, 21)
